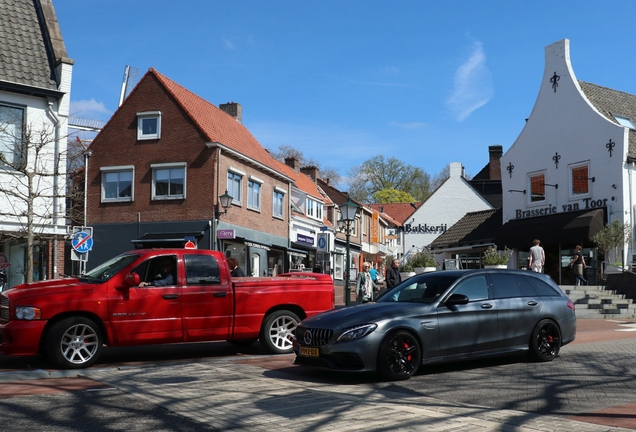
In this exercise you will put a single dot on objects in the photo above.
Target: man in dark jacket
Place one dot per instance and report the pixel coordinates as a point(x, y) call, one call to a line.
point(392, 277)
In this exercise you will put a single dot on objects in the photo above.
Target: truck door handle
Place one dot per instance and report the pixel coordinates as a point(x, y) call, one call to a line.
point(486, 306)
point(169, 296)
point(220, 294)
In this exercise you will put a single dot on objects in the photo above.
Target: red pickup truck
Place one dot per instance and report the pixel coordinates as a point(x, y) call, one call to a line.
point(156, 296)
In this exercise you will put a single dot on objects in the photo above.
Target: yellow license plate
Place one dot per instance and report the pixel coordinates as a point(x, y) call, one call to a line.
point(309, 352)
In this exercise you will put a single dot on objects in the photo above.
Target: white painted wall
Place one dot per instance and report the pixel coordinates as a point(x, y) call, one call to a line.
point(565, 122)
point(448, 204)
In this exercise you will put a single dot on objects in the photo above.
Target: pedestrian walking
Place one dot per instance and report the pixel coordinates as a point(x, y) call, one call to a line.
point(392, 277)
point(537, 256)
point(578, 264)
point(365, 286)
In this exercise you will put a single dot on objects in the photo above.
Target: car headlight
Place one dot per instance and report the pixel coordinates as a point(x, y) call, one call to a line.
point(356, 332)
point(27, 313)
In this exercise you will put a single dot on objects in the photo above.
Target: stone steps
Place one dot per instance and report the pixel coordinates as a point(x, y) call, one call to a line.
point(595, 302)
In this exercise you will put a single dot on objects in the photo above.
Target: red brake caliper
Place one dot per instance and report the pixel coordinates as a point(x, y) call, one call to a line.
point(406, 347)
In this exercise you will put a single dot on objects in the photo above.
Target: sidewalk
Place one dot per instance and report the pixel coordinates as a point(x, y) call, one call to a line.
point(228, 395)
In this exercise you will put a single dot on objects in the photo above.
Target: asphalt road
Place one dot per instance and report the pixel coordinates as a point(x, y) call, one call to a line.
point(593, 380)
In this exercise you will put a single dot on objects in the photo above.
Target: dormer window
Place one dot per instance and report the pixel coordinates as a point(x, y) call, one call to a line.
point(149, 125)
point(624, 121)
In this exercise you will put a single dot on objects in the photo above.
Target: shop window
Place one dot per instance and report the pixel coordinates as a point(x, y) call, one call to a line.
point(254, 194)
point(234, 183)
point(278, 208)
point(537, 187)
point(12, 121)
point(117, 183)
point(149, 125)
point(580, 180)
point(168, 181)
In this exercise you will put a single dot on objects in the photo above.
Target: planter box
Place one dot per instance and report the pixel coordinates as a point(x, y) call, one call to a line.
point(610, 269)
point(496, 266)
point(406, 275)
point(419, 270)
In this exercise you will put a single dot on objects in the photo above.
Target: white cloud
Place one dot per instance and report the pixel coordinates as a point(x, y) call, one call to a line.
point(409, 126)
point(89, 109)
point(473, 84)
point(228, 44)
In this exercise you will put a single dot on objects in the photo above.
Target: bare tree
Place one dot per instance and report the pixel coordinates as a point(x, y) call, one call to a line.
point(378, 175)
point(31, 187)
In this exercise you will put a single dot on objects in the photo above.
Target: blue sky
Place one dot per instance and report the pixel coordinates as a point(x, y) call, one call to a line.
point(428, 82)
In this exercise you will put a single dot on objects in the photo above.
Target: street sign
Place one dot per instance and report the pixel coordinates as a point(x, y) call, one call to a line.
point(323, 243)
point(82, 242)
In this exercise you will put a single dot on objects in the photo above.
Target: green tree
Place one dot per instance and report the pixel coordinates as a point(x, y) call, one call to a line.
point(379, 174)
point(392, 195)
point(612, 236)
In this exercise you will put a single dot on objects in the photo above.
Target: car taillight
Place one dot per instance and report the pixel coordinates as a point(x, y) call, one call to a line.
point(571, 305)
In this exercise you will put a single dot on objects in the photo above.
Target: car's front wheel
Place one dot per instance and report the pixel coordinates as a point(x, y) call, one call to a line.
point(74, 343)
point(278, 331)
point(399, 356)
point(545, 341)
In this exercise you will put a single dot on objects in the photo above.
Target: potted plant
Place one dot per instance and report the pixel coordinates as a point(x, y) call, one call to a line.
point(406, 270)
point(610, 238)
point(423, 262)
point(492, 258)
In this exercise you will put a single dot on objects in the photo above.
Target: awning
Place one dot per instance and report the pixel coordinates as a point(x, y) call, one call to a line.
point(166, 239)
point(562, 228)
point(297, 252)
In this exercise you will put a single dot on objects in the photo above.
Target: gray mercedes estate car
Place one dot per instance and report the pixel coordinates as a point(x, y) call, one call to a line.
point(441, 316)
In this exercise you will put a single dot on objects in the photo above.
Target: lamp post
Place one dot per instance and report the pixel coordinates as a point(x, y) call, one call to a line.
point(348, 212)
point(226, 203)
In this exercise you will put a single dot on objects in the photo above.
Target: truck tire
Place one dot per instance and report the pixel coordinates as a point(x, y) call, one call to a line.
point(278, 330)
point(74, 343)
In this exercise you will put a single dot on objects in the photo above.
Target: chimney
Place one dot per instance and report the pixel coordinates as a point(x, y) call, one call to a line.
point(311, 171)
point(292, 162)
point(495, 152)
point(234, 109)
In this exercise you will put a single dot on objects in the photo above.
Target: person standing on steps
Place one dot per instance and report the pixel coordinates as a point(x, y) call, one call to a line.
point(578, 264)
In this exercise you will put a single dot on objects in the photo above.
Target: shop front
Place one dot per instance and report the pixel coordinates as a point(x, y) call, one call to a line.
point(558, 234)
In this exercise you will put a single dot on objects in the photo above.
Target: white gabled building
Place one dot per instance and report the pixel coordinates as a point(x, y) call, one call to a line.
point(571, 170)
point(35, 84)
point(448, 204)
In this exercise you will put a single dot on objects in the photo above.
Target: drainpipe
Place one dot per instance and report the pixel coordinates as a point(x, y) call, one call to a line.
point(56, 155)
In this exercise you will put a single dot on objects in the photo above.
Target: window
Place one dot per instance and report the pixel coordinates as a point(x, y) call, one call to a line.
point(537, 187)
point(149, 125)
point(254, 193)
point(624, 121)
point(168, 181)
point(279, 204)
point(201, 270)
point(314, 209)
point(117, 183)
point(580, 181)
point(11, 127)
point(475, 288)
point(234, 180)
point(504, 285)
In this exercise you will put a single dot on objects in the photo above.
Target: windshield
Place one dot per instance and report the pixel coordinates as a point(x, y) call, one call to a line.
point(109, 269)
point(424, 288)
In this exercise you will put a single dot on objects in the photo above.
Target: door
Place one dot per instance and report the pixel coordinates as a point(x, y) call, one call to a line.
point(469, 328)
point(207, 300)
point(518, 308)
point(149, 314)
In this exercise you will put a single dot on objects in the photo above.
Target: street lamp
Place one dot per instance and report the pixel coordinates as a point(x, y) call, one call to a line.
point(348, 212)
point(226, 203)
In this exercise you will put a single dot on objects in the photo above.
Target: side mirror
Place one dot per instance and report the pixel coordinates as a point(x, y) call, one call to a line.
point(456, 299)
point(132, 279)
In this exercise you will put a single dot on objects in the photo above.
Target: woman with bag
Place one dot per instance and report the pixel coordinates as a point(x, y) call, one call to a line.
point(365, 285)
point(578, 264)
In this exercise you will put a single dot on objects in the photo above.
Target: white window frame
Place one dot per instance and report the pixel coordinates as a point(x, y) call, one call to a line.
point(280, 192)
point(571, 178)
point(118, 169)
point(12, 135)
point(314, 209)
point(252, 182)
point(237, 194)
point(529, 188)
point(168, 166)
point(148, 115)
